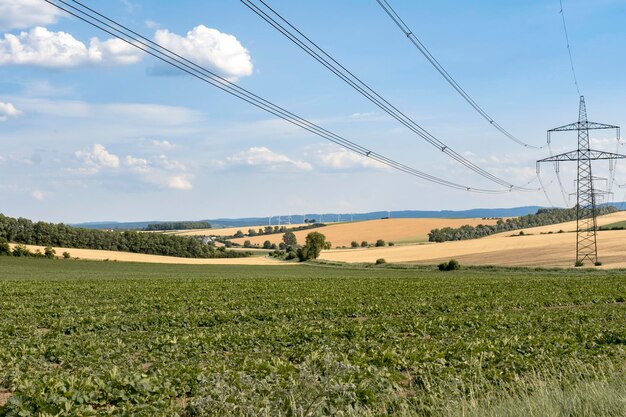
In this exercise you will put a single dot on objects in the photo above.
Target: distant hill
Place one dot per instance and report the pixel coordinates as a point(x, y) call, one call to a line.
point(333, 217)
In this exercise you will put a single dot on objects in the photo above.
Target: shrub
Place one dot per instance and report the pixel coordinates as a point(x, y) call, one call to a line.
point(267, 244)
point(21, 250)
point(66, 255)
point(4, 247)
point(354, 244)
point(247, 244)
point(451, 265)
point(380, 261)
point(391, 244)
point(598, 263)
point(380, 243)
point(49, 253)
point(364, 244)
point(579, 263)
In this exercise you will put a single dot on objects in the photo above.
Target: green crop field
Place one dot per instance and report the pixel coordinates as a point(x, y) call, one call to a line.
point(105, 338)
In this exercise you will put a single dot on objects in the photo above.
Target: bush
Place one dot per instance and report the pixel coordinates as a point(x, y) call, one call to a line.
point(267, 244)
point(451, 265)
point(598, 263)
point(21, 250)
point(579, 263)
point(4, 247)
point(380, 243)
point(354, 244)
point(364, 244)
point(247, 244)
point(380, 261)
point(49, 253)
point(391, 244)
point(66, 255)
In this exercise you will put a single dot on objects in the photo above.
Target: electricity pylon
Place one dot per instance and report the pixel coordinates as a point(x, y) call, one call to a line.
point(586, 224)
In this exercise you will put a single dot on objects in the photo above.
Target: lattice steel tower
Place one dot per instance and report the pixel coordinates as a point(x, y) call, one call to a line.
point(586, 192)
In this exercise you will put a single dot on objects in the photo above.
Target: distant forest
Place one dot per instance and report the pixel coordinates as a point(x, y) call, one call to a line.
point(178, 226)
point(543, 217)
point(48, 234)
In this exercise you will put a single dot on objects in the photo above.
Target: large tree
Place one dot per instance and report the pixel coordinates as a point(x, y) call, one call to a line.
point(290, 239)
point(315, 242)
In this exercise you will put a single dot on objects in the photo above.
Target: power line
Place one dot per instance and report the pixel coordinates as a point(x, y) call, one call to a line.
point(315, 51)
point(435, 63)
point(569, 49)
point(113, 28)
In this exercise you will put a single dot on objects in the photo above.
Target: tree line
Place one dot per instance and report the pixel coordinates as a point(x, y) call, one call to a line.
point(272, 230)
point(177, 226)
point(27, 232)
point(543, 217)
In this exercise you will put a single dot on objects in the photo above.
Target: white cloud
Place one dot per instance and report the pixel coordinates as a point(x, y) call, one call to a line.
point(179, 182)
point(7, 111)
point(333, 157)
point(38, 195)
point(113, 52)
point(43, 48)
point(151, 24)
point(264, 158)
point(97, 158)
point(139, 165)
point(163, 144)
point(209, 47)
point(159, 172)
point(20, 14)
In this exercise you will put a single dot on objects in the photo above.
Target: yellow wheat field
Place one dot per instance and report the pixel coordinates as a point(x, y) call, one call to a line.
point(226, 231)
point(101, 255)
point(532, 249)
point(389, 230)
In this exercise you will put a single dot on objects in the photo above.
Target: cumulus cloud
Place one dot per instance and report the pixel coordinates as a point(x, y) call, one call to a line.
point(161, 172)
point(20, 14)
point(43, 48)
point(210, 47)
point(332, 157)
point(263, 158)
point(96, 159)
point(7, 111)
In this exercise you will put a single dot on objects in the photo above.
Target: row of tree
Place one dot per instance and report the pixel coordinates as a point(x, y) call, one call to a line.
point(177, 226)
point(48, 234)
point(271, 230)
point(543, 217)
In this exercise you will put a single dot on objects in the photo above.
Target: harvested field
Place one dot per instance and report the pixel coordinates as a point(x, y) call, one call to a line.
point(548, 250)
point(390, 230)
point(569, 226)
point(101, 255)
point(227, 231)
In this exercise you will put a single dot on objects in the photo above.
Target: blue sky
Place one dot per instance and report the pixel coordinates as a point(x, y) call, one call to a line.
point(92, 130)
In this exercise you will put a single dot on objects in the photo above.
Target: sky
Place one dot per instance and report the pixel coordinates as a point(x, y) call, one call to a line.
point(92, 129)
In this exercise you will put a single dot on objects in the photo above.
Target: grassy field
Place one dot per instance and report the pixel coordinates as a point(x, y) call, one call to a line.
point(105, 338)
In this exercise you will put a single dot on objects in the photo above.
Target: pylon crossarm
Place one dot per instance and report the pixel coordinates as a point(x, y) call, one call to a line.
point(599, 126)
point(575, 156)
point(582, 125)
point(571, 126)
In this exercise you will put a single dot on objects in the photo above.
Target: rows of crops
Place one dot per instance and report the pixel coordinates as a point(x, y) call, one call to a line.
point(101, 338)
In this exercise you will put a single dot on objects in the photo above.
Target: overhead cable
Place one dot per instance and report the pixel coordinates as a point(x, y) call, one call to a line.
point(113, 28)
point(311, 48)
point(569, 49)
point(446, 75)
